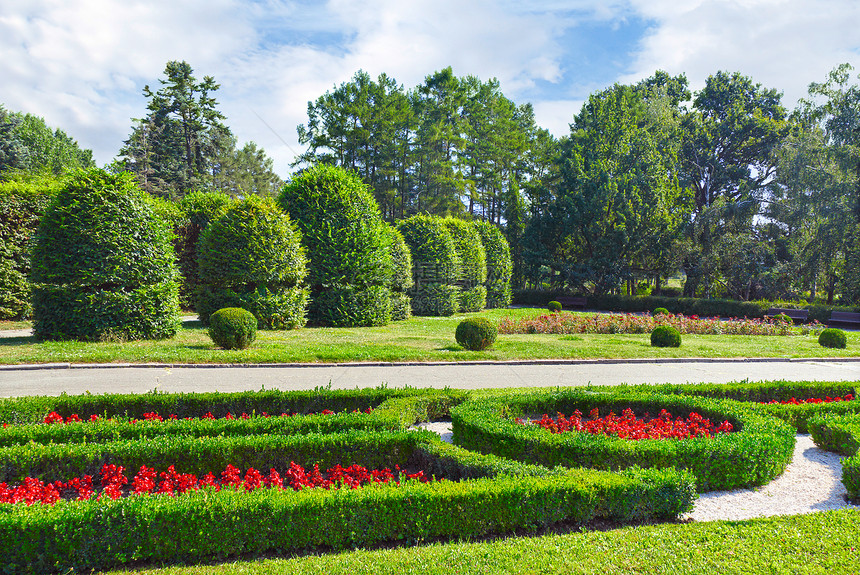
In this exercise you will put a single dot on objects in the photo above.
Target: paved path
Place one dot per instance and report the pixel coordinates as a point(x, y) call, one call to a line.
point(53, 380)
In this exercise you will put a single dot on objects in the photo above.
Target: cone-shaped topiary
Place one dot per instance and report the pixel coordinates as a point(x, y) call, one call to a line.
point(232, 328)
point(251, 257)
point(473, 264)
point(665, 336)
point(499, 264)
point(832, 338)
point(435, 266)
point(476, 333)
point(103, 265)
point(347, 243)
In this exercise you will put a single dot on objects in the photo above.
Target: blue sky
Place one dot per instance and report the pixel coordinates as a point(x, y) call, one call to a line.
point(81, 64)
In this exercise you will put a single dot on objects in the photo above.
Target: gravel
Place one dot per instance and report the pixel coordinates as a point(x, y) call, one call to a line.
point(812, 482)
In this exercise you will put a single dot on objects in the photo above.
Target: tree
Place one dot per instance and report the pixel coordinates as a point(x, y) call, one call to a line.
point(240, 172)
point(27, 143)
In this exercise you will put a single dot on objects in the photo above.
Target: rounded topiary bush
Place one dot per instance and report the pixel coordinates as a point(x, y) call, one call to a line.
point(833, 338)
point(782, 318)
point(435, 266)
point(500, 266)
point(347, 242)
point(232, 328)
point(103, 264)
point(473, 264)
point(665, 336)
point(554, 306)
point(476, 333)
point(661, 311)
point(251, 257)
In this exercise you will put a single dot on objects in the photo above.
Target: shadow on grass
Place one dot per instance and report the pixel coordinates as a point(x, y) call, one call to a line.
point(13, 341)
point(192, 324)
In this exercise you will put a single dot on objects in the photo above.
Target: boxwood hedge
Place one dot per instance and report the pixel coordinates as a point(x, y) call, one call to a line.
point(473, 264)
point(401, 276)
point(435, 266)
point(103, 265)
point(756, 452)
point(841, 434)
point(499, 264)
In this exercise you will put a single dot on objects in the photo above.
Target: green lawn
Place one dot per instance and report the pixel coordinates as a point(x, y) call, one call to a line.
point(418, 339)
point(817, 543)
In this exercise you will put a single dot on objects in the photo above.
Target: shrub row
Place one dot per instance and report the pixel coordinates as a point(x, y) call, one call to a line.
point(841, 434)
point(755, 453)
point(761, 393)
point(205, 526)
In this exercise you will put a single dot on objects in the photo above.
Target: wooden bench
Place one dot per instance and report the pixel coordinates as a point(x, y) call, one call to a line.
point(572, 302)
point(797, 315)
point(844, 318)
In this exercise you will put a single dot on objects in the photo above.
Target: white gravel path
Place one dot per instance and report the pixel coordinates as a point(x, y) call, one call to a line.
point(811, 482)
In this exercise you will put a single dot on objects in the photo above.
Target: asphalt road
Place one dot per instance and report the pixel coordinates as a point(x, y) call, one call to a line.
point(113, 378)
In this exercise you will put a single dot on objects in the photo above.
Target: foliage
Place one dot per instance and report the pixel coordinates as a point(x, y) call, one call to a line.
point(232, 328)
point(476, 333)
point(832, 337)
point(102, 264)
point(665, 336)
point(401, 276)
point(473, 264)
point(251, 257)
point(660, 311)
point(841, 434)
point(499, 264)
point(352, 307)
point(435, 265)
point(554, 306)
point(401, 306)
point(28, 144)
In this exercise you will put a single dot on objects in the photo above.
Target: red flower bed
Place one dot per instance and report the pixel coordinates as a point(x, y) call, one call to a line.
point(628, 426)
point(55, 417)
point(114, 483)
point(793, 401)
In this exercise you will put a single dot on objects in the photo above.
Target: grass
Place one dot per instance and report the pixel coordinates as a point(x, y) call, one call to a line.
point(817, 543)
point(417, 339)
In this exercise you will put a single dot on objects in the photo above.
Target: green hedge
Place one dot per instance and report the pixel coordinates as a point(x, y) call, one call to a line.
point(473, 264)
point(756, 452)
point(401, 276)
point(352, 306)
point(436, 266)
point(841, 434)
point(499, 264)
point(760, 393)
point(206, 526)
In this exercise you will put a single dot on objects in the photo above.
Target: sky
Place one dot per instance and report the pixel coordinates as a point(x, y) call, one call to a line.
point(82, 64)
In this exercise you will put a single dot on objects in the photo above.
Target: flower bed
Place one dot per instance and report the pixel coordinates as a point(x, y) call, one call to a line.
point(628, 426)
point(570, 323)
point(756, 452)
point(55, 417)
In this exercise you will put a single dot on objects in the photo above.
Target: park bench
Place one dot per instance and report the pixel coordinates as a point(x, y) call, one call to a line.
point(797, 315)
point(569, 302)
point(844, 318)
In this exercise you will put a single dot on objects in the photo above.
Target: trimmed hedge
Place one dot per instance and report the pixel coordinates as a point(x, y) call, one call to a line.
point(832, 338)
point(499, 264)
point(348, 245)
point(401, 276)
point(251, 257)
point(473, 264)
point(232, 328)
point(476, 333)
point(205, 525)
point(756, 452)
point(435, 266)
point(841, 434)
point(665, 336)
point(103, 264)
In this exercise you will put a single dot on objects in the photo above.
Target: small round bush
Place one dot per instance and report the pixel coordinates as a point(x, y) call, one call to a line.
point(661, 311)
point(476, 333)
point(554, 306)
point(832, 337)
point(232, 328)
point(665, 336)
point(782, 318)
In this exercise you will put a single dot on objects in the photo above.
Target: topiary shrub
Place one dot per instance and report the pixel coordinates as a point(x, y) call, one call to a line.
point(554, 306)
point(661, 311)
point(832, 337)
point(347, 242)
point(401, 276)
point(232, 328)
point(665, 336)
point(476, 333)
point(103, 266)
point(500, 266)
point(473, 264)
point(435, 266)
point(251, 257)
point(782, 318)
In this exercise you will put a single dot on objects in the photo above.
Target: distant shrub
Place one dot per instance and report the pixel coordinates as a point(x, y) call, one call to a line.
point(499, 264)
point(476, 333)
point(554, 306)
point(251, 257)
point(832, 337)
point(232, 328)
point(665, 336)
point(661, 311)
point(782, 318)
point(102, 264)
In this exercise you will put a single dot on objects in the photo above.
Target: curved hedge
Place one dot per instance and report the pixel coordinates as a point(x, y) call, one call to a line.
point(500, 266)
point(347, 242)
point(251, 257)
point(103, 265)
point(473, 264)
point(755, 453)
point(841, 434)
point(435, 266)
